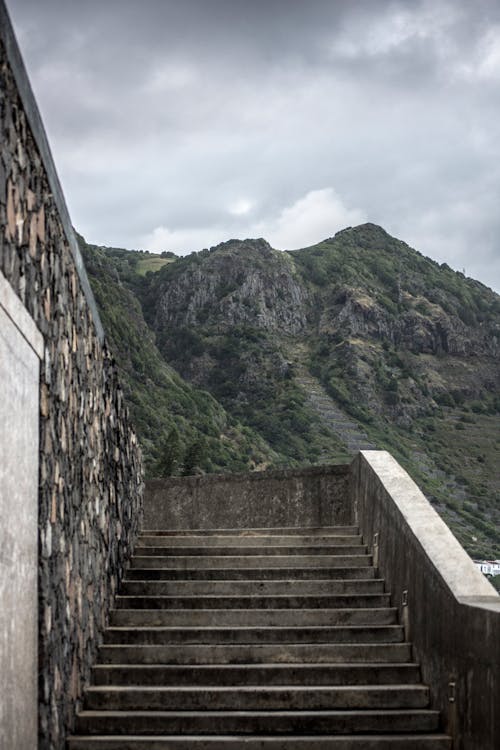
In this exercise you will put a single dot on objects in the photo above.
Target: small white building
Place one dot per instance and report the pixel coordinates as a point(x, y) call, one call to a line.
point(488, 567)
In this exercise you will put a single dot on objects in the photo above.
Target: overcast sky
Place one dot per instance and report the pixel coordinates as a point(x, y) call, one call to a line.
point(177, 124)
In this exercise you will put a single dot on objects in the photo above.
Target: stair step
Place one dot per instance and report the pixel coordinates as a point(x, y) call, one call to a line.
point(256, 587)
point(255, 540)
point(206, 635)
point(246, 722)
point(250, 573)
point(254, 653)
point(255, 698)
point(286, 601)
point(250, 561)
point(255, 638)
point(256, 674)
point(249, 551)
point(261, 742)
point(267, 531)
point(253, 617)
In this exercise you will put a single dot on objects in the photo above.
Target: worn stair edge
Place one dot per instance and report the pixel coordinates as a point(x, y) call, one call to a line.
point(253, 601)
point(250, 574)
point(301, 674)
point(260, 742)
point(269, 617)
point(255, 653)
point(217, 722)
point(256, 698)
point(257, 634)
point(248, 551)
point(244, 588)
point(271, 540)
point(251, 561)
point(258, 531)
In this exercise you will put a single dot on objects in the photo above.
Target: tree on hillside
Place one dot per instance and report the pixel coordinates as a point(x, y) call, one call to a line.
point(170, 450)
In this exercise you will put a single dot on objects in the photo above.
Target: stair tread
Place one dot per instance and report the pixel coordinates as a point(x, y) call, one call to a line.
point(330, 610)
point(299, 530)
point(331, 550)
point(258, 551)
point(264, 665)
point(260, 737)
point(202, 597)
point(258, 581)
point(296, 540)
point(263, 646)
point(258, 628)
point(250, 567)
point(214, 714)
point(311, 678)
point(394, 687)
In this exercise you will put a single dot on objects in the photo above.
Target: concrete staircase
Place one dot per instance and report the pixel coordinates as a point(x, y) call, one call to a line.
point(265, 638)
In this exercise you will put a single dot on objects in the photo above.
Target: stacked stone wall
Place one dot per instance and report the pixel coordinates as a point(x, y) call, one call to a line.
point(90, 480)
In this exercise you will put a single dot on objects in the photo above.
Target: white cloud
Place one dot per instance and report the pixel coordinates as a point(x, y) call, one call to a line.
point(482, 64)
point(394, 28)
point(318, 214)
point(489, 61)
point(312, 218)
point(241, 207)
point(179, 241)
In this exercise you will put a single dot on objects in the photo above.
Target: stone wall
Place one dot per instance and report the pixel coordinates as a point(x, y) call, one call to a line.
point(315, 496)
point(450, 611)
point(90, 473)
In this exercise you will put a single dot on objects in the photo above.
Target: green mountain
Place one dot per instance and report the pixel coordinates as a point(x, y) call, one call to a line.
point(359, 341)
point(181, 428)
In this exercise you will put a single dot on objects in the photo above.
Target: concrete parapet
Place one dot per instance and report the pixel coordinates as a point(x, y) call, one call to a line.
point(314, 496)
point(451, 612)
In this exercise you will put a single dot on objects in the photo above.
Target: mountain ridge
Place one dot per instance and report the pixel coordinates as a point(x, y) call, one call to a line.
point(406, 348)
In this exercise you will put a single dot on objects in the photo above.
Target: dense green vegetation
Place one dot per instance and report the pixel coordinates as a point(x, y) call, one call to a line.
point(176, 422)
point(428, 393)
point(210, 346)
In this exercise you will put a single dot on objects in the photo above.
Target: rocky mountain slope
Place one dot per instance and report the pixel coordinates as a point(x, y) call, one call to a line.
point(181, 428)
point(359, 340)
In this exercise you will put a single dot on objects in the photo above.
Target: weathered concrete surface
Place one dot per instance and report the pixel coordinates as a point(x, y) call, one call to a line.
point(293, 497)
point(19, 377)
point(453, 613)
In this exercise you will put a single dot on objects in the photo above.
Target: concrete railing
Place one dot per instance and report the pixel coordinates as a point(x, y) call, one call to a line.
point(315, 496)
point(451, 612)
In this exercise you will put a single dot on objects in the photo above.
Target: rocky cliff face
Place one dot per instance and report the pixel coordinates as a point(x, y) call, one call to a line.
point(347, 292)
point(422, 326)
point(238, 283)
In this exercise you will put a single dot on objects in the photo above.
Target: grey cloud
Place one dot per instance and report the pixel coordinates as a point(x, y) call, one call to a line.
point(165, 113)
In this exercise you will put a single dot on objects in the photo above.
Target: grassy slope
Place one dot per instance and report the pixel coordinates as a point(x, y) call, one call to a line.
point(150, 262)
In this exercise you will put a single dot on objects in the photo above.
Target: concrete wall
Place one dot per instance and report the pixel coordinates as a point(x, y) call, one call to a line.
point(453, 613)
point(21, 348)
point(90, 475)
point(303, 497)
